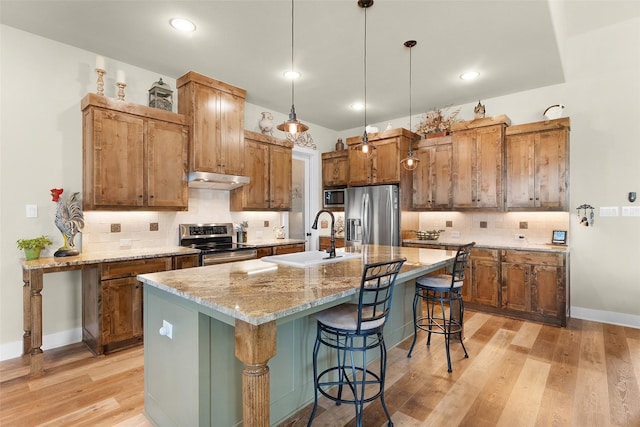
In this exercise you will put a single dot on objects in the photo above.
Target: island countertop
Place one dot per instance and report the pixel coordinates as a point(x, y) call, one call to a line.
point(258, 292)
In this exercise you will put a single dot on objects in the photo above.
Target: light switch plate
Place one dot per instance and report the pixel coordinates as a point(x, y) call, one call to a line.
point(32, 211)
point(609, 211)
point(631, 211)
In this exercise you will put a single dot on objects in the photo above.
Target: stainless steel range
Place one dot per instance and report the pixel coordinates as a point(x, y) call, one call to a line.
point(215, 242)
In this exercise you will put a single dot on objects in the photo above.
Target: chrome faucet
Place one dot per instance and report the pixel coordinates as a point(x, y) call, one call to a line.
point(332, 247)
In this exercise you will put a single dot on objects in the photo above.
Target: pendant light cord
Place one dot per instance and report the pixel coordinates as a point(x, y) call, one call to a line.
point(365, 70)
point(292, 65)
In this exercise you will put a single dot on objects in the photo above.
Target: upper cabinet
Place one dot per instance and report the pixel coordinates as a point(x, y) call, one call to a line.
point(478, 153)
point(134, 157)
point(215, 113)
point(335, 169)
point(538, 166)
point(432, 186)
point(268, 163)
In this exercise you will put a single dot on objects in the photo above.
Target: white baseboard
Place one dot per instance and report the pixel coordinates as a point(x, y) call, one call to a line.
point(12, 350)
point(621, 319)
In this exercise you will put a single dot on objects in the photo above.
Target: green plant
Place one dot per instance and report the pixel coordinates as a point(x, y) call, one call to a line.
point(38, 242)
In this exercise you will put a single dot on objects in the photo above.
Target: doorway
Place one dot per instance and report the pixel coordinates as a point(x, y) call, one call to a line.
point(305, 197)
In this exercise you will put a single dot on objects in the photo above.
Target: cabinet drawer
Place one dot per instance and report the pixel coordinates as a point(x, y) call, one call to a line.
point(484, 253)
point(533, 257)
point(287, 249)
point(113, 270)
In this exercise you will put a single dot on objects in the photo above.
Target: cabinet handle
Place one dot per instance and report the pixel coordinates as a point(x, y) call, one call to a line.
point(530, 198)
point(151, 196)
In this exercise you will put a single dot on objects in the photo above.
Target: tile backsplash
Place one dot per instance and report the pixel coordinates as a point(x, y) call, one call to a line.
point(490, 227)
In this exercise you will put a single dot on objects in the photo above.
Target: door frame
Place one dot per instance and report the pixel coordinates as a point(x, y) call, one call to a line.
point(311, 159)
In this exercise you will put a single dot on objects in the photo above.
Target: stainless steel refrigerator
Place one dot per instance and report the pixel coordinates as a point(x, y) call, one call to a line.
point(372, 215)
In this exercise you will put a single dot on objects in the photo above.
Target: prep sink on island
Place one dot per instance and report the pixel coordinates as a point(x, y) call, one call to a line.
point(228, 321)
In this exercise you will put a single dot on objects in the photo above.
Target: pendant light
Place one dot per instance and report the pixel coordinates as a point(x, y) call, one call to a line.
point(410, 162)
point(365, 148)
point(292, 125)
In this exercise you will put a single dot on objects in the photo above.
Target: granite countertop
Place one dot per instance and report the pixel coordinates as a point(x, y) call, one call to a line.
point(258, 292)
point(523, 246)
point(107, 256)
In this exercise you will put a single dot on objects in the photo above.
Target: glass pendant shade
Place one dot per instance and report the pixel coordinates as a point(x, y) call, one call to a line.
point(410, 162)
point(365, 148)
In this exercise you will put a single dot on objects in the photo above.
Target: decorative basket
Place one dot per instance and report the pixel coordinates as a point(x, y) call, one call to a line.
point(428, 235)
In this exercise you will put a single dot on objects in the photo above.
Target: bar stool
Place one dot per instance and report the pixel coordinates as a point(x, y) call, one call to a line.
point(436, 290)
point(352, 330)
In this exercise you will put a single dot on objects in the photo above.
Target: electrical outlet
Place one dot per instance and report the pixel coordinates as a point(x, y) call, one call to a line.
point(166, 330)
point(455, 234)
point(32, 211)
point(125, 243)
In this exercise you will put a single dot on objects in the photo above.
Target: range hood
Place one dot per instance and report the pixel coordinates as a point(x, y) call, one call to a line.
point(216, 181)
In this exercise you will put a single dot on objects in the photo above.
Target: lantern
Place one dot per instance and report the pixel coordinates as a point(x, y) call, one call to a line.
point(161, 96)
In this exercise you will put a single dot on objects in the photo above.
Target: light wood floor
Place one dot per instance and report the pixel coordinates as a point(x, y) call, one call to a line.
point(518, 374)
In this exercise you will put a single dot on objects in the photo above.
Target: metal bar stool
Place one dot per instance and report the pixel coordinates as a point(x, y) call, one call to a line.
point(352, 330)
point(436, 290)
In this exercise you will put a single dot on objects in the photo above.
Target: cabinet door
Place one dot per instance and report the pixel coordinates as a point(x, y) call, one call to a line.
point(440, 172)
point(167, 164)
point(205, 130)
point(422, 179)
point(548, 296)
point(280, 186)
point(288, 249)
point(185, 261)
point(489, 167)
point(386, 162)
point(121, 310)
point(359, 168)
point(255, 195)
point(117, 144)
point(232, 143)
point(550, 169)
point(464, 171)
point(334, 171)
point(485, 282)
point(520, 171)
point(516, 286)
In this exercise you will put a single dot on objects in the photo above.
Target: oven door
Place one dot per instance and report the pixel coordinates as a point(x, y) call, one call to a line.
point(220, 257)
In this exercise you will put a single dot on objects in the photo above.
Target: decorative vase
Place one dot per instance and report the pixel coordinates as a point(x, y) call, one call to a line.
point(266, 123)
point(32, 253)
point(339, 145)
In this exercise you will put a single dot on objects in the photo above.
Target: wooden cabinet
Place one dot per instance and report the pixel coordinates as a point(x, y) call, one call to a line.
point(483, 277)
point(478, 163)
point(535, 283)
point(280, 249)
point(538, 166)
point(325, 242)
point(185, 261)
point(432, 186)
point(215, 113)
point(335, 169)
point(112, 303)
point(268, 163)
point(134, 157)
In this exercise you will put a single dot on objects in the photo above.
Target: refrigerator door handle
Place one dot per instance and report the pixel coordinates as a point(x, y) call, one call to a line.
point(366, 219)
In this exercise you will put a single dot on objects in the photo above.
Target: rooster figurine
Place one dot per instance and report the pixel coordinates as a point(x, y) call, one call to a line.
point(69, 221)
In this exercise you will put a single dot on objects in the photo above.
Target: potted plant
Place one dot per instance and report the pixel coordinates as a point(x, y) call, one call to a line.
point(32, 247)
point(437, 123)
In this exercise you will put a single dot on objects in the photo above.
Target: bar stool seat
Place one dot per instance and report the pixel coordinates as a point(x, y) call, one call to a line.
point(442, 293)
point(352, 330)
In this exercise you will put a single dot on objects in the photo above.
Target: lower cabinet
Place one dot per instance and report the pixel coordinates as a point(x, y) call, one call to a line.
point(112, 301)
point(524, 284)
point(534, 283)
point(325, 242)
point(280, 249)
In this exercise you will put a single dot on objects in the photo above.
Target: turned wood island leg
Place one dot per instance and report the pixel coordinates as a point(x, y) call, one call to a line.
point(254, 346)
point(32, 319)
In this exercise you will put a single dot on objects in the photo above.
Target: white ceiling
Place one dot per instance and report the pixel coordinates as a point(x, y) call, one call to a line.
point(512, 44)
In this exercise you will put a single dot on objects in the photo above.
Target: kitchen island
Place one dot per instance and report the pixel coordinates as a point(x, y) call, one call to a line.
point(211, 331)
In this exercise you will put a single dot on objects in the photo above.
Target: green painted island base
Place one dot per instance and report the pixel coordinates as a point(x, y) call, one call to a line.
point(195, 378)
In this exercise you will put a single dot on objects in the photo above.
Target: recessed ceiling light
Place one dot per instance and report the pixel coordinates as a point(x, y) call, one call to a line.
point(182, 24)
point(357, 106)
point(292, 75)
point(470, 75)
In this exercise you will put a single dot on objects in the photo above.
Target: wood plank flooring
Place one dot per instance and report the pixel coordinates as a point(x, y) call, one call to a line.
point(518, 374)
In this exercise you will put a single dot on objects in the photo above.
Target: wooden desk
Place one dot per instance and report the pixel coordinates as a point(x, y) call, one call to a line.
point(33, 277)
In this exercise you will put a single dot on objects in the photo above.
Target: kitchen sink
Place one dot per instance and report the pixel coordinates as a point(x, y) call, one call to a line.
point(309, 258)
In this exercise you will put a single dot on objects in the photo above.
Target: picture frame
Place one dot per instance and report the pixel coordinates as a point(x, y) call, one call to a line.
point(559, 237)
